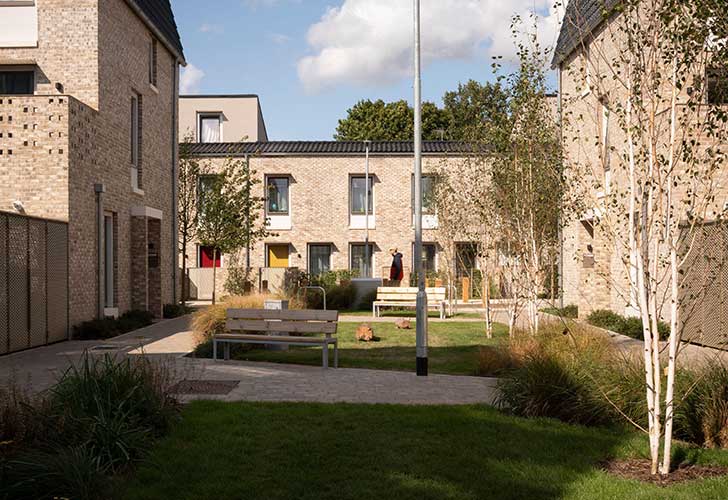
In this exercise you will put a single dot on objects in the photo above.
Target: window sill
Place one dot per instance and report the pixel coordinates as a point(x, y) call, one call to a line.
point(137, 191)
point(112, 312)
point(154, 88)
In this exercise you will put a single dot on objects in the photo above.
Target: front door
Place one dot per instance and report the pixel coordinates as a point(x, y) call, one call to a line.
point(278, 256)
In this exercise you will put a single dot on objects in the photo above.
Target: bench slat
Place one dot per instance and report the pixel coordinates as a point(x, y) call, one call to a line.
point(283, 314)
point(404, 289)
point(281, 339)
point(254, 325)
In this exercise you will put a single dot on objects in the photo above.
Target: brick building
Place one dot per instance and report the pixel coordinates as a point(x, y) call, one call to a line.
point(315, 205)
point(88, 136)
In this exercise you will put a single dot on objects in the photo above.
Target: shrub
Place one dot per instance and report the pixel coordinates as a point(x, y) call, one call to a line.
point(109, 327)
point(175, 310)
point(702, 417)
point(341, 297)
point(365, 304)
point(631, 327)
point(570, 311)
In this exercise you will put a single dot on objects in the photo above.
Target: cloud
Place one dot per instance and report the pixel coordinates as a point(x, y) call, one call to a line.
point(255, 4)
point(369, 42)
point(190, 79)
point(211, 28)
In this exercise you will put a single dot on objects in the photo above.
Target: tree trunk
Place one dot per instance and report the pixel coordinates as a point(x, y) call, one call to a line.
point(184, 269)
point(214, 274)
point(486, 305)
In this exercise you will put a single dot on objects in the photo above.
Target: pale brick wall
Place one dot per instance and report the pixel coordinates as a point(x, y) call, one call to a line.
point(319, 207)
point(98, 50)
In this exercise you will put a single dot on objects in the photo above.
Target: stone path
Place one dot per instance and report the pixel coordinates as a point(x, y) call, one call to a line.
point(169, 341)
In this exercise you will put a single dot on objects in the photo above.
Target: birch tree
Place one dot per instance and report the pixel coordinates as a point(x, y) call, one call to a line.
point(651, 183)
point(189, 172)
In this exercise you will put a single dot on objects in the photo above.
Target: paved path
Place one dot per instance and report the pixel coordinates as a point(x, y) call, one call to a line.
point(169, 342)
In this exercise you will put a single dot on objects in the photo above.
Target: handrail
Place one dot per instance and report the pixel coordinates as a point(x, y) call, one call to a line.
point(323, 290)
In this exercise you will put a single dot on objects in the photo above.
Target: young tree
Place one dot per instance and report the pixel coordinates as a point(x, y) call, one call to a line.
point(393, 121)
point(189, 172)
point(229, 217)
point(650, 184)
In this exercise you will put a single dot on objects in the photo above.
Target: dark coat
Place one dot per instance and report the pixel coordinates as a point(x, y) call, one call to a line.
point(396, 273)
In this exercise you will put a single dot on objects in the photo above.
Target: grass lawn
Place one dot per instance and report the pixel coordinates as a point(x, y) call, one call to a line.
point(234, 451)
point(453, 348)
point(408, 313)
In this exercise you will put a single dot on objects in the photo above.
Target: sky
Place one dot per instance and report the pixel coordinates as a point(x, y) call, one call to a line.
point(309, 61)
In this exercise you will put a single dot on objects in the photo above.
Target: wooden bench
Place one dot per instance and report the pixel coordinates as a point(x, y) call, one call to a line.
point(260, 326)
point(407, 297)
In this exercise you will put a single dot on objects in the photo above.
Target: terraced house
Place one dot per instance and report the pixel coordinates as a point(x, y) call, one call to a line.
point(88, 145)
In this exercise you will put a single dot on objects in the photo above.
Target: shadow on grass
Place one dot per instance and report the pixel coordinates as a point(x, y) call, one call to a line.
point(316, 451)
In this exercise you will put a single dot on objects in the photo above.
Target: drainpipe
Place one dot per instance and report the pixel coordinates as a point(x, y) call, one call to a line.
point(175, 166)
point(100, 189)
point(367, 257)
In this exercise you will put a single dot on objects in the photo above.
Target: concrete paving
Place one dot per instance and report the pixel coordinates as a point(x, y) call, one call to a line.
point(169, 341)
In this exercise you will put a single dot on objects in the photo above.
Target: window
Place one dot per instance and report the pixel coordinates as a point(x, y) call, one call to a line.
point(153, 61)
point(605, 152)
point(429, 255)
point(277, 198)
point(358, 260)
point(206, 257)
point(16, 82)
point(319, 259)
point(358, 194)
point(210, 127)
point(428, 194)
point(205, 184)
point(136, 140)
point(109, 261)
point(717, 80)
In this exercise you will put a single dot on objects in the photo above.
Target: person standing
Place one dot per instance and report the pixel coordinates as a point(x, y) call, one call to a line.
point(396, 272)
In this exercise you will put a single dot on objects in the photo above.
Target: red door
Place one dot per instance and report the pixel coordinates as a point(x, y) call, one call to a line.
point(206, 257)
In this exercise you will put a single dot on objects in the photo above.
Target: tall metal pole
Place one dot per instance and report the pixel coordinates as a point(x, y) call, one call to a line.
point(421, 325)
point(367, 270)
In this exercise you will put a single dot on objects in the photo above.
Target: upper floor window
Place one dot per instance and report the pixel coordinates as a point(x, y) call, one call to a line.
point(16, 82)
point(136, 140)
point(205, 184)
point(153, 62)
point(358, 195)
point(18, 23)
point(209, 127)
point(277, 196)
point(428, 194)
point(717, 80)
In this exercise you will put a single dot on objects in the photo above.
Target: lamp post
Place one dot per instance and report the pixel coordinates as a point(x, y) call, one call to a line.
point(367, 256)
point(421, 324)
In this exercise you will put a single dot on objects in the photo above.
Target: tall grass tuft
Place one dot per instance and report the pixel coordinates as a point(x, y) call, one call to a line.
point(211, 320)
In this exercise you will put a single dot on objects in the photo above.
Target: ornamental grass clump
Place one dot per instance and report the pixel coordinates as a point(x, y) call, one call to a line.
point(211, 320)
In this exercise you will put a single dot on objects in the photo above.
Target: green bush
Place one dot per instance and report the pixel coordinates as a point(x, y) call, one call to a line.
point(175, 310)
point(109, 327)
point(97, 421)
point(631, 327)
point(570, 311)
point(341, 297)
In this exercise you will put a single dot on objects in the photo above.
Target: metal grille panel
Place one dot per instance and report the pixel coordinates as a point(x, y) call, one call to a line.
point(33, 282)
point(37, 272)
point(18, 283)
point(4, 338)
point(704, 289)
point(57, 252)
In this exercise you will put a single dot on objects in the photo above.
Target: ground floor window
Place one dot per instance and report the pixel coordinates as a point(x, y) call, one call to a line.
point(358, 261)
point(429, 257)
point(206, 256)
point(319, 259)
point(466, 259)
point(109, 260)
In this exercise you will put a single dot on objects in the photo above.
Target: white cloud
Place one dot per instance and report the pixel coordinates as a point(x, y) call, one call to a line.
point(211, 28)
point(369, 42)
point(190, 79)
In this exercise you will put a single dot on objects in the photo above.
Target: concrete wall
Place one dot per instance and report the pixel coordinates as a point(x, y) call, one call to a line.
point(242, 117)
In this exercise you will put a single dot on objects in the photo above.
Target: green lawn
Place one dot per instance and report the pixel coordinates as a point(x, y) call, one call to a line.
point(234, 451)
point(453, 348)
point(407, 313)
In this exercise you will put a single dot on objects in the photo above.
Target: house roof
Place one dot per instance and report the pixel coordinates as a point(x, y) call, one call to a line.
point(326, 148)
point(158, 13)
point(581, 19)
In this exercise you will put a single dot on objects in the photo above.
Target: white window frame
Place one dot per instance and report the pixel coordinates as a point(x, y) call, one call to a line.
point(201, 115)
point(587, 69)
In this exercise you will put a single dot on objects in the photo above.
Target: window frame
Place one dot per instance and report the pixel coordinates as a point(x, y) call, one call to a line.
point(432, 209)
point(331, 253)
point(203, 115)
point(721, 75)
point(269, 178)
point(15, 69)
point(153, 68)
point(361, 244)
point(371, 207)
point(434, 256)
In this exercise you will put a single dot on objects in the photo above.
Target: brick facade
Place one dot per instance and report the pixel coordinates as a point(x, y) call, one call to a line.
point(98, 51)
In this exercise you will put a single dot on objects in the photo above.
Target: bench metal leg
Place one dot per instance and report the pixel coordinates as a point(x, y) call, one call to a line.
point(336, 355)
point(374, 310)
point(325, 351)
point(227, 351)
point(214, 350)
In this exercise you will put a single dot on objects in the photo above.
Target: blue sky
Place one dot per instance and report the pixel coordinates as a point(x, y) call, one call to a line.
point(310, 60)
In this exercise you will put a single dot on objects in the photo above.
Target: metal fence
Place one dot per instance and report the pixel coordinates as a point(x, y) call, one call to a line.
point(34, 297)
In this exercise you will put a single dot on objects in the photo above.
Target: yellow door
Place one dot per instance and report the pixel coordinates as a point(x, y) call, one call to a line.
point(277, 255)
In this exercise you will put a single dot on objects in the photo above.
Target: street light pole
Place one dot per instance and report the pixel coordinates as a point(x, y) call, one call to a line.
point(367, 256)
point(421, 324)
